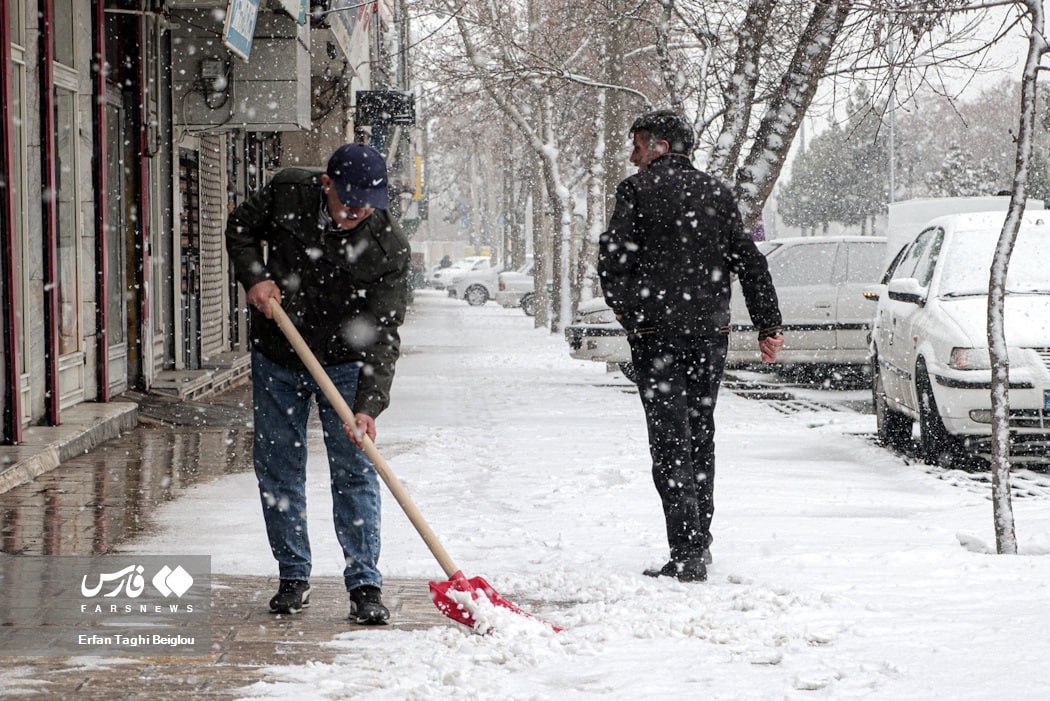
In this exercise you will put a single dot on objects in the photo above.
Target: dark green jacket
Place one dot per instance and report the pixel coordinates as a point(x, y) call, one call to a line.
point(346, 292)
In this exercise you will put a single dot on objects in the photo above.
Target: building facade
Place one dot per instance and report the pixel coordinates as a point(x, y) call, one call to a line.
point(130, 129)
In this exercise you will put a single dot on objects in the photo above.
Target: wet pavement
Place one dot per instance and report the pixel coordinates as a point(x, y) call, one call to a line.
point(247, 639)
point(92, 503)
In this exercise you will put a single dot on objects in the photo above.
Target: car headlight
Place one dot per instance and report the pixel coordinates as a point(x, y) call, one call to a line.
point(970, 359)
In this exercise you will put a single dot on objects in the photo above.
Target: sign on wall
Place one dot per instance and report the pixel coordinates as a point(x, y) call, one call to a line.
point(239, 28)
point(296, 9)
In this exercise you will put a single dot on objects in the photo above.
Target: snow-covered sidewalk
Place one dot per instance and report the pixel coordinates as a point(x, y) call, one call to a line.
point(839, 570)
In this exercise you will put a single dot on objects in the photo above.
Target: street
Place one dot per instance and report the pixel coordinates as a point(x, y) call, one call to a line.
point(839, 567)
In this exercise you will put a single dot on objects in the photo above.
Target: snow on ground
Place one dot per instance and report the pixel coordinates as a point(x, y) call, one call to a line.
point(840, 572)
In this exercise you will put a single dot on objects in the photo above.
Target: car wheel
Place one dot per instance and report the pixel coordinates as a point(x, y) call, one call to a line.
point(628, 371)
point(938, 447)
point(894, 428)
point(476, 296)
point(528, 304)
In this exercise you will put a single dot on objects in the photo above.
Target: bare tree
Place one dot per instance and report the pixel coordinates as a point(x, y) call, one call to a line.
point(1002, 510)
point(527, 96)
point(740, 96)
point(567, 74)
point(781, 120)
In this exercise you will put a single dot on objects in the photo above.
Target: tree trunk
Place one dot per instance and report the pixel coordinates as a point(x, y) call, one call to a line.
point(663, 52)
point(1002, 508)
point(540, 247)
point(560, 202)
point(596, 220)
point(615, 119)
point(741, 93)
point(781, 121)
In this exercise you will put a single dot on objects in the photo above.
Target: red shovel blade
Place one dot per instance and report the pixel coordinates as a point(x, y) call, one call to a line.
point(459, 598)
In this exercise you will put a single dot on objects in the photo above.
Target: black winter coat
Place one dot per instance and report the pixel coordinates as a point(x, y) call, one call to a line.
point(346, 292)
point(673, 242)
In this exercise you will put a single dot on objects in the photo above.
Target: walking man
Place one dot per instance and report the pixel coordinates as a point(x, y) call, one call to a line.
point(338, 264)
point(674, 240)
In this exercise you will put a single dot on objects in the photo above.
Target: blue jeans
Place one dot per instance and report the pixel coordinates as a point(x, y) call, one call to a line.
point(281, 399)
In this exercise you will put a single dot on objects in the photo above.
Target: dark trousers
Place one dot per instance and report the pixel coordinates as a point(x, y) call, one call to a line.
point(678, 379)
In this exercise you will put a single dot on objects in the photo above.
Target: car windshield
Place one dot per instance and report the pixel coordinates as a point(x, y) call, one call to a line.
point(968, 262)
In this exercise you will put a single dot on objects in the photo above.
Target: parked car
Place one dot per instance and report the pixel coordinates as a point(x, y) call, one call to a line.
point(929, 349)
point(440, 278)
point(477, 286)
point(512, 285)
point(595, 334)
point(480, 285)
point(820, 282)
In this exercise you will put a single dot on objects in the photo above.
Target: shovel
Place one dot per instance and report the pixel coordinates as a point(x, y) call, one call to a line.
point(459, 597)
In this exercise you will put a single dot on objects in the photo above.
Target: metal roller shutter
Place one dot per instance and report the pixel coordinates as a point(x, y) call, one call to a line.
point(214, 289)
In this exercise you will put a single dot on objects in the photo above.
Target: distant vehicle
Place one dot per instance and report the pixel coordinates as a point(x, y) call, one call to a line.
point(820, 282)
point(476, 286)
point(440, 278)
point(513, 286)
point(929, 350)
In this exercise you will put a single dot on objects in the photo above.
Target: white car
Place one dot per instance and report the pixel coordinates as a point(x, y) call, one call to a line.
point(513, 286)
point(596, 335)
point(441, 277)
point(929, 347)
point(820, 282)
point(479, 285)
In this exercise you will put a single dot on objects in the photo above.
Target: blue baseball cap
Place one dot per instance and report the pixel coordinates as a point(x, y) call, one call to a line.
point(358, 174)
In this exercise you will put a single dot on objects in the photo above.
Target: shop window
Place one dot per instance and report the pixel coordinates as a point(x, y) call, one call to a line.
point(16, 20)
point(64, 37)
point(115, 221)
point(66, 219)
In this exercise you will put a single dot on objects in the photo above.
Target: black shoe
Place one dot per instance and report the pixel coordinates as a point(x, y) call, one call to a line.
point(366, 606)
point(292, 596)
point(686, 571)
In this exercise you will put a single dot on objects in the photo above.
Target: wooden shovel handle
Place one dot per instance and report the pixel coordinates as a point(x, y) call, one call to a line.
point(347, 415)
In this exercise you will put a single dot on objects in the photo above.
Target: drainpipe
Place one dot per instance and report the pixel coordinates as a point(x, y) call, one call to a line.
point(49, 212)
point(98, 50)
point(11, 430)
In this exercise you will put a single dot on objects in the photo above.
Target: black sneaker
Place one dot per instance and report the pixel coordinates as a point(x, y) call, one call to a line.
point(686, 571)
point(292, 596)
point(366, 606)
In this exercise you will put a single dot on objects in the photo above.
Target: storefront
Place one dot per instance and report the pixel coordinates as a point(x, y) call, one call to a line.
point(116, 183)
